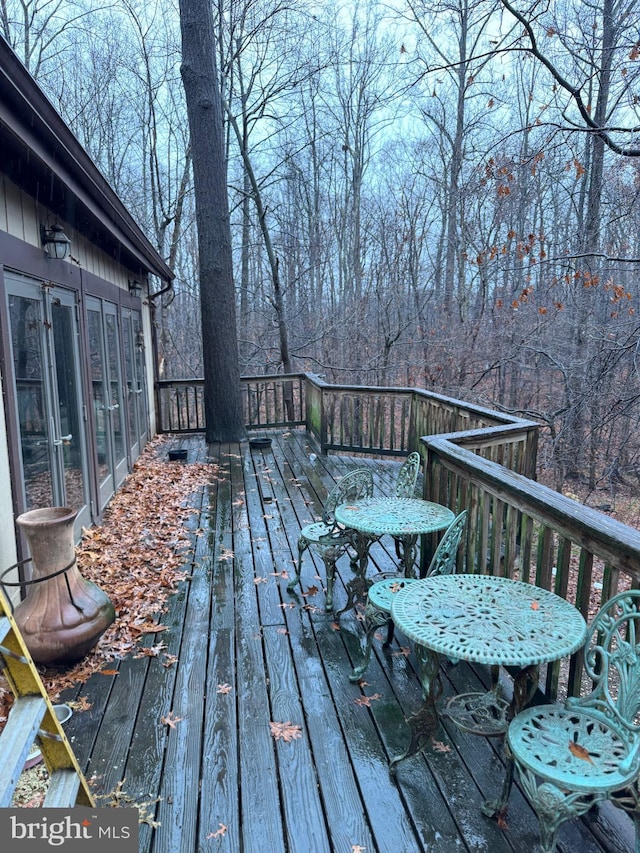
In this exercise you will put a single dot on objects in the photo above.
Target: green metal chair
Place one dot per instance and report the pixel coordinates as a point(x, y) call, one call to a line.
point(571, 757)
point(406, 488)
point(380, 595)
point(329, 538)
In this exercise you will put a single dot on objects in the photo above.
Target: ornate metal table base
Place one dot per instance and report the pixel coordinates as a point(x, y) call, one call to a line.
point(423, 724)
point(525, 685)
point(483, 714)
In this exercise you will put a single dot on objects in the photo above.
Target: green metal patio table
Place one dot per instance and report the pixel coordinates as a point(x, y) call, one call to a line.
point(403, 518)
point(483, 619)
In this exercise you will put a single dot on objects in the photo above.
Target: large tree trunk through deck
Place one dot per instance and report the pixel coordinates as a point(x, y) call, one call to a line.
point(222, 401)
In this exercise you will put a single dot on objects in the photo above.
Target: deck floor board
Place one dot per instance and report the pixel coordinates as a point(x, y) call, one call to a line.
point(251, 653)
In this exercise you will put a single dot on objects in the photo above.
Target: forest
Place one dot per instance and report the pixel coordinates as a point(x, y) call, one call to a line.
point(436, 194)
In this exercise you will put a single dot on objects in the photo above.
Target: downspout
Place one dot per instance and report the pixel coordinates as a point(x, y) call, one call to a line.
point(154, 345)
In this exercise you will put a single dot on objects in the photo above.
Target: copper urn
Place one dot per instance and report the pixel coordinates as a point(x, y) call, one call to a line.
point(63, 615)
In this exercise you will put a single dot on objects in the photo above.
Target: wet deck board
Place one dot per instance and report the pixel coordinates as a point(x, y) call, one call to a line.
point(250, 653)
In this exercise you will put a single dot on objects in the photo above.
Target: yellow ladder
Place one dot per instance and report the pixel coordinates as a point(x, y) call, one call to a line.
point(32, 716)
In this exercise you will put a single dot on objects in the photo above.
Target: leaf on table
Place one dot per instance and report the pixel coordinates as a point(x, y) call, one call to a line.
point(284, 574)
point(312, 590)
point(169, 660)
point(223, 688)
point(260, 580)
point(285, 731)
point(287, 605)
point(580, 752)
point(438, 746)
point(109, 672)
point(535, 605)
point(357, 848)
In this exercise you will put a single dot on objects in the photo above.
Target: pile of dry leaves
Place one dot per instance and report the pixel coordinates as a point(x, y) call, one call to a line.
point(136, 555)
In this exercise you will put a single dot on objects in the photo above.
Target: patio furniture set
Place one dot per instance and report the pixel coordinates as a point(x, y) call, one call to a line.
point(569, 758)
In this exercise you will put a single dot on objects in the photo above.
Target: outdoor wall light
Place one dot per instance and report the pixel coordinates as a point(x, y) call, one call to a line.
point(135, 288)
point(55, 242)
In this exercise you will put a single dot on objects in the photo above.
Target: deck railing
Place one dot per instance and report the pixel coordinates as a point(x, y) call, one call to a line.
point(474, 458)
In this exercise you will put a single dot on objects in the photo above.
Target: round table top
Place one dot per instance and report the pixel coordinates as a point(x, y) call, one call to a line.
point(490, 620)
point(396, 516)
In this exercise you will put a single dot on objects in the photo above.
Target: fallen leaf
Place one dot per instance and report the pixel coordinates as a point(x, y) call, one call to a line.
point(151, 651)
point(367, 700)
point(285, 731)
point(501, 818)
point(535, 605)
point(404, 651)
point(579, 752)
point(170, 720)
point(223, 688)
point(109, 672)
point(219, 833)
point(169, 660)
point(312, 590)
point(438, 746)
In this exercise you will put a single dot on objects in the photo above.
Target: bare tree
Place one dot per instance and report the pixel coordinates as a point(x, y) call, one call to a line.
point(223, 408)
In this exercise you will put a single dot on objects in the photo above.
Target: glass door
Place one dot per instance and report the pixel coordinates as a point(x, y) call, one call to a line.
point(106, 391)
point(136, 382)
point(48, 393)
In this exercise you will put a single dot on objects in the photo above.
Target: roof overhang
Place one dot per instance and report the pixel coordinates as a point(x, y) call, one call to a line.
point(43, 157)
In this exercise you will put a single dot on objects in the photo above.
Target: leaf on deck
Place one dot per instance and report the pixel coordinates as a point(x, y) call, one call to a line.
point(285, 731)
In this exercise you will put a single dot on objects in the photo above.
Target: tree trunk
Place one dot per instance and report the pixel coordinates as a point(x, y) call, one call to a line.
point(222, 401)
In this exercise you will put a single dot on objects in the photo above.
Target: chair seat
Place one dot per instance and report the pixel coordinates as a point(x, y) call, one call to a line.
point(319, 533)
point(540, 737)
point(380, 594)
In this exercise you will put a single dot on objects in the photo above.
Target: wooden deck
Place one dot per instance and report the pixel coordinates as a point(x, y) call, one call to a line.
point(250, 653)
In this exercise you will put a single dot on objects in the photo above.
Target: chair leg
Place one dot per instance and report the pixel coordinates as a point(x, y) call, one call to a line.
point(553, 806)
point(330, 570)
point(374, 619)
point(302, 547)
point(390, 629)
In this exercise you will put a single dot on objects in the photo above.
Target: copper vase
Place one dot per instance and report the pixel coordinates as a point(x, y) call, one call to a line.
point(64, 616)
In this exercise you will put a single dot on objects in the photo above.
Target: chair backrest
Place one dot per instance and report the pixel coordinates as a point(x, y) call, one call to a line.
point(443, 561)
point(612, 662)
point(408, 476)
point(352, 487)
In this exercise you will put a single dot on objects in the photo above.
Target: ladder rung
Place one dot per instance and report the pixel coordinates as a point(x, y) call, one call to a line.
point(63, 790)
point(16, 741)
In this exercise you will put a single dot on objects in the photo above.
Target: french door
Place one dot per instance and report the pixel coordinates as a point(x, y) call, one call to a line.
point(107, 396)
point(43, 321)
point(138, 413)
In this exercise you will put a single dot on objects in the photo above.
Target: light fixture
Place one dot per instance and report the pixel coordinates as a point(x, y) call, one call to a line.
point(55, 242)
point(135, 288)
